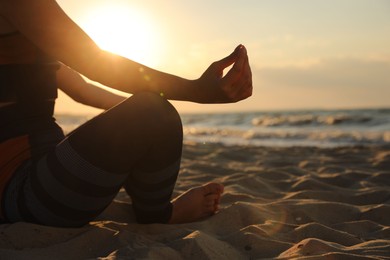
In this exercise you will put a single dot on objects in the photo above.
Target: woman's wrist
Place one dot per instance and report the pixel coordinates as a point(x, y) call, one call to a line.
point(182, 90)
point(191, 92)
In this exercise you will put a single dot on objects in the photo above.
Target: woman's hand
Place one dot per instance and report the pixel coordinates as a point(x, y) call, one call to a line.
point(236, 85)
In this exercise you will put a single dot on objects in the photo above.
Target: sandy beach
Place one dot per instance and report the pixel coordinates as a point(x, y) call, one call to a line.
point(283, 203)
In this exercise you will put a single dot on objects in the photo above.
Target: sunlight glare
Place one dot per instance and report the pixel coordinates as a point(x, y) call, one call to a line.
point(125, 31)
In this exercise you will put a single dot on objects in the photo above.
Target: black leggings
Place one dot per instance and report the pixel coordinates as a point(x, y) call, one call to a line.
point(136, 145)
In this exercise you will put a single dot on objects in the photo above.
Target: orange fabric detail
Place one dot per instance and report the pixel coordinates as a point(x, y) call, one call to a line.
point(13, 153)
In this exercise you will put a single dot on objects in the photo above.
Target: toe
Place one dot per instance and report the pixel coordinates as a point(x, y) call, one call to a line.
point(213, 188)
point(211, 202)
point(211, 198)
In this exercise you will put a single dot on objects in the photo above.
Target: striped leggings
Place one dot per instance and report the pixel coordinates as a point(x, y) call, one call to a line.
point(136, 145)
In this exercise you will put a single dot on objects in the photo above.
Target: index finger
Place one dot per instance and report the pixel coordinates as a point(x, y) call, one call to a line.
point(229, 60)
point(237, 69)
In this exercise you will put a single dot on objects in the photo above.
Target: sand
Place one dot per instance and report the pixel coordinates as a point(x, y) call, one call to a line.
point(283, 203)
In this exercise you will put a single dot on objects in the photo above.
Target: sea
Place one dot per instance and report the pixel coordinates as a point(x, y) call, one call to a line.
point(317, 128)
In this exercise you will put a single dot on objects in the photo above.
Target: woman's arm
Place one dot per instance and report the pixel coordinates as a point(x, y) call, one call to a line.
point(75, 86)
point(45, 24)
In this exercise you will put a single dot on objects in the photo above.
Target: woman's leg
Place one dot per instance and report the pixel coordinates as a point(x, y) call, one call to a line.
point(137, 144)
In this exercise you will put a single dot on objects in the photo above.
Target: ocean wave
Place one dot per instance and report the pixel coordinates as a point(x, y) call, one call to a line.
point(310, 120)
point(307, 137)
point(302, 128)
point(71, 122)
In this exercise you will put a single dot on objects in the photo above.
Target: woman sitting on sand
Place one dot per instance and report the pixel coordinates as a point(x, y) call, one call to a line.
point(52, 179)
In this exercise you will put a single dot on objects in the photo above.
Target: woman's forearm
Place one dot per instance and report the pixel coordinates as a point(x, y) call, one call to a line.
point(76, 87)
point(131, 77)
point(99, 98)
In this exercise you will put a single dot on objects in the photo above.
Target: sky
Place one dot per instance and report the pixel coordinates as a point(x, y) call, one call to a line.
point(304, 54)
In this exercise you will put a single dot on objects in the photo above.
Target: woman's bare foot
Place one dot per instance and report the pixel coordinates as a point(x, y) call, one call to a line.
point(196, 203)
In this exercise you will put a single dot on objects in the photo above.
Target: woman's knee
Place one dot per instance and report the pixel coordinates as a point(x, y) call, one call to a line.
point(140, 113)
point(152, 110)
point(152, 102)
point(127, 131)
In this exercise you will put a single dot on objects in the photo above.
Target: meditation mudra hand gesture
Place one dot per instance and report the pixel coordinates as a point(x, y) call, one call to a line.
point(236, 85)
point(68, 180)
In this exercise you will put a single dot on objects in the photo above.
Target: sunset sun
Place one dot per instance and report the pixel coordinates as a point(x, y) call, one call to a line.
point(124, 31)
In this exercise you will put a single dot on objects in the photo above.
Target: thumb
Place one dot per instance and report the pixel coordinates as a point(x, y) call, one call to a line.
point(229, 60)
